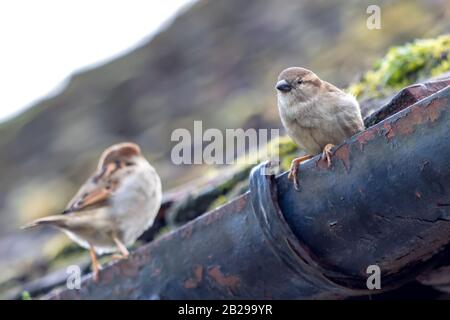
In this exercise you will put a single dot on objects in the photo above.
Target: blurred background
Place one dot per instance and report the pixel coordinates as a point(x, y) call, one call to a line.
point(79, 77)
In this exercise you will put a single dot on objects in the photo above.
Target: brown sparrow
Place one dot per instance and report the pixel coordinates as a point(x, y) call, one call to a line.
point(316, 114)
point(114, 206)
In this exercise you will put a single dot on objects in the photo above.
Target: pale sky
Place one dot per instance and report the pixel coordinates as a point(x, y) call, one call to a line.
point(43, 42)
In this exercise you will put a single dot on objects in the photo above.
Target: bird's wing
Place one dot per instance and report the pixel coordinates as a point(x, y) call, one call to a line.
point(95, 193)
point(94, 199)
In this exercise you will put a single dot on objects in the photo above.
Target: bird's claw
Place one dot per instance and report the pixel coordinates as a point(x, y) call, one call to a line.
point(327, 153)
point(96, 273)
point(293, 175)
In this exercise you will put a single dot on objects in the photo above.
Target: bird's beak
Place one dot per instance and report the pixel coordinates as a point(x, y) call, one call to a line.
point(283, 86)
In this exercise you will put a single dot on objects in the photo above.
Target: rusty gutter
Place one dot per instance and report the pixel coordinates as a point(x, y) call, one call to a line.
point(385, 201)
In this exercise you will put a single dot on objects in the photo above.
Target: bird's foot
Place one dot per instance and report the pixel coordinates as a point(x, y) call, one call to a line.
point(293, 171)
point(124, 253)
point(327, 153)
point(96, 267)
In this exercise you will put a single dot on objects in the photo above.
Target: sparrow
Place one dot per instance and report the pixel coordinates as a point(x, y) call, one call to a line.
point(113, 207)
point(316, 114)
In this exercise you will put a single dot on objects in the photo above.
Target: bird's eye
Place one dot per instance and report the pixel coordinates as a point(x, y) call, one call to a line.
point(129, 164)
point(299, 81)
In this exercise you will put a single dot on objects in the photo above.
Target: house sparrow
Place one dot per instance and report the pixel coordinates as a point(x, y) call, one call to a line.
point(114, 206)
point(316, 114)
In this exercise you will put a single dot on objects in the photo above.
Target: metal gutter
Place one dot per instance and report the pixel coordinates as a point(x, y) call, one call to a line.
point(384, 201)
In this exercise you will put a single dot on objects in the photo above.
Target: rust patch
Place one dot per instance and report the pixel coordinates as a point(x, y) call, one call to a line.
point(343, 154)
point(388, 131)
point(226, 281)
point(322, 164)
point(193, 282)
point(418, 115)
point(364, 137)
point(434, 109)
point(405, 124)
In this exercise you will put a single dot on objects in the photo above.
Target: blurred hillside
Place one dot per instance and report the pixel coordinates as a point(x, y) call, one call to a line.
point(217, 62)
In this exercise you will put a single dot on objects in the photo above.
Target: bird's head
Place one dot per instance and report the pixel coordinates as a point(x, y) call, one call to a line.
point(297, 85)
point(120, 155)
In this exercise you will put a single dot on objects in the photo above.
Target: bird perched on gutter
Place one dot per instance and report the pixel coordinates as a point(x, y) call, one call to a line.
point(114, 206)
point(316, 114)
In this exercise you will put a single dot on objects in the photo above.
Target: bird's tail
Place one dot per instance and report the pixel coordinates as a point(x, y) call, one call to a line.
point(56, 221)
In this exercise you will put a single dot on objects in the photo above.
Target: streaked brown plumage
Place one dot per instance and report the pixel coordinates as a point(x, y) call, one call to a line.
point(114, 206)
point(316, 114)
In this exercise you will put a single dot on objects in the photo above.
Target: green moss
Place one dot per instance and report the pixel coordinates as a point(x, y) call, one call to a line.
point(405, 65)
point(238, 183)
point(26, 295)
point(220, 200)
